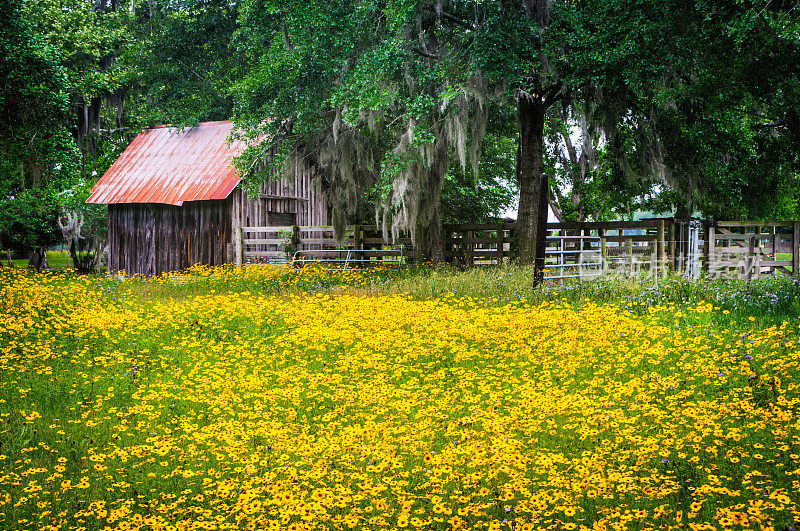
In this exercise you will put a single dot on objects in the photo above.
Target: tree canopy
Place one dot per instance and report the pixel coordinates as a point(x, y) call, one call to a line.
point(414, 113)
point(702, 96)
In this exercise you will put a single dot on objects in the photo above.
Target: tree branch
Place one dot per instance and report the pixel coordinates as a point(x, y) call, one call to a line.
point(552, 94)
point(423, 53)
point(286, 38)
point(573, 155)
point(557, 193)
point(452, 18)
point(556, 208)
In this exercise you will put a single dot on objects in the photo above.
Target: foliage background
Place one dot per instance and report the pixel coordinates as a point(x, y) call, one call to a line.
point(672, 107)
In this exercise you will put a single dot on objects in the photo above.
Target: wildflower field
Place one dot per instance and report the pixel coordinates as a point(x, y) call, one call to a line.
point(292, 399)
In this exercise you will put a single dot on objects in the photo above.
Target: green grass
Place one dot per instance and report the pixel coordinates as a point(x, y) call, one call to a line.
point(58, 261)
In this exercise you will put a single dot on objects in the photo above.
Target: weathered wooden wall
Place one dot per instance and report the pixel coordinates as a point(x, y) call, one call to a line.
point(150, 239)
point(288, 201)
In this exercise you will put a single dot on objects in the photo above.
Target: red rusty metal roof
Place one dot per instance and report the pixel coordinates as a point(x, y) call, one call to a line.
point(165, 165)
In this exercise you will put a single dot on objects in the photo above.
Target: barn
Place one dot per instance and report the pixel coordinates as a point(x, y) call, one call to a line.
point(174, 200)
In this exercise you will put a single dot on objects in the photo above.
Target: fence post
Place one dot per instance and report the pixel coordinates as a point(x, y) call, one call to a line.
point(448, 244)
point(795, 247)
point(671, 252)
point(603, 254)
point(295, 239)
point(358, 244)
point(710, 247)
point(500, 243)
point(238, 250)
point(661, 250)
point(774, 253)
point(456, 257)
point(470, 247)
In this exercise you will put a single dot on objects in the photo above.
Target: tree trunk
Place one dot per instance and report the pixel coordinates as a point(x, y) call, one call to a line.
point(533, 185)
point(73, 253)
point(35, 174)
point(37, 259)
point(433, 232)
point(435, 240)
point(430, 237)
point(682, 212)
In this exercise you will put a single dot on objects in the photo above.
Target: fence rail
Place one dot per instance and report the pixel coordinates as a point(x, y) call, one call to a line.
point(752, 249)
point(573, 257)
point(280, 243)
point(345, 258)
point(722, 248)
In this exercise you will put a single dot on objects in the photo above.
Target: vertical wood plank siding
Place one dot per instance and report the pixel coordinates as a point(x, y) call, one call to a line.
point(151, 239)
point(255, 212)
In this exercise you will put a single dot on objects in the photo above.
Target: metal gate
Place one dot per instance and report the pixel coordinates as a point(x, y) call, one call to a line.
point(578, 257)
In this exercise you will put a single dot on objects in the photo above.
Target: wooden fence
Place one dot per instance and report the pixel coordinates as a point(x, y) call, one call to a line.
point(278, 244)
point(723, 248)
point(752, 249)
point(484, 244)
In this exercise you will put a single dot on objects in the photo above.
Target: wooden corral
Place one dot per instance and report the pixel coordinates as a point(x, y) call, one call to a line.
point(722, 248)
point(174, 201)
point(484, 244)
point(752, 249)
point(653, 246)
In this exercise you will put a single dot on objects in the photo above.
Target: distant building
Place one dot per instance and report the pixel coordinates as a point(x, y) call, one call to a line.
point(173, 200)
